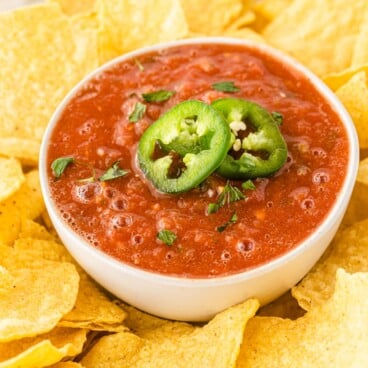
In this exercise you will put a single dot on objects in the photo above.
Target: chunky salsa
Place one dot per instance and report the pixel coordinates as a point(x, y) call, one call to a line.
point(223, 225)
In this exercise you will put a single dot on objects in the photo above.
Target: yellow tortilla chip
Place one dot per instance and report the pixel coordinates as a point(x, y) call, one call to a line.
point(336, 80)
point(214, 345)
point(71, 7)
point(349, 251)
point(44, 56)
point(24, 149)
point(271, 9)
point(11, 177)
point(10, 224)
point(354, 96)
point(28, 199)
point(211, 17)
point(32, 229)
point(360, 53)
point(38, 297)
point(126, 25)
point(43, 350)
point(27, 202)
point(92, 309)
point(246, 33)
point(321, 34)
point(357, 208)
point(66, 365)
point(139, 322)
point(363, 172)
point(244, 19)
point(333, 334)
point(150, 327)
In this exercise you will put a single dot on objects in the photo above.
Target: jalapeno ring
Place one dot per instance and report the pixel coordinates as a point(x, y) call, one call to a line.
point(257, 148)
point(184, 146)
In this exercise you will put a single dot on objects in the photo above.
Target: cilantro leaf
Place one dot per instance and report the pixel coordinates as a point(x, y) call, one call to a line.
point(233, 220)
point(60, 164)
point(157, 96)
point(113, 172)
point(138, 112)
point(166, 236)
point(227, 86)
point(229, 195)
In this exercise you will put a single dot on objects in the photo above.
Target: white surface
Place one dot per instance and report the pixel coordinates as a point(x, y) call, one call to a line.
point(200, 299)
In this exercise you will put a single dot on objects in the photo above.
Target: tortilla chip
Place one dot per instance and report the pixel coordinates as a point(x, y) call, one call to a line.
point(333, 334)
point(11, 177)
point(10, 224)
point(357, 208)
point(214, 345)
point(271, 9)
point(321, 34)
point(126, 25)
point(244, 19)
point(66, 365)
point(93, 309)
point(246, 33)
point(150, 327)
point(349, 251)
point(363, 172)
point(34, 230)
point(354, 96)
point(72, 7)
point(27, 202)
point(26, 150)
point(360, 53)
point(139, 322)
point(44, 56)
point(28, 199)
point(38, 297)
point(43, 350)
point(336, 80)
point(211, 17)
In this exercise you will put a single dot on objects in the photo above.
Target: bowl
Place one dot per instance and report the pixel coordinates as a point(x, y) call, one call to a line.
point(187, 298)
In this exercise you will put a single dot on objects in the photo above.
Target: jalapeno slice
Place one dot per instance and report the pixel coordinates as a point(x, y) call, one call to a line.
point(184, 146)
point(257, 148)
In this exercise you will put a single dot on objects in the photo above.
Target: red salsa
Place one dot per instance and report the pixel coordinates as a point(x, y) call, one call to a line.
point(124, 216)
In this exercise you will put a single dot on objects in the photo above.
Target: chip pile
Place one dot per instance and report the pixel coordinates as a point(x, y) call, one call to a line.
point(51, 312)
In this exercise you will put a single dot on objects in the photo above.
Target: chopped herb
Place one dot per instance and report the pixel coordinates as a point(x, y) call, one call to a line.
point(157, 96)
point(212, 208)
point(229, 195)
point(138, 112)
point(113, 172)
point(59, 165)
point(166, 236)
point(278, 117)
point(233, 220)
point(225, 87)
point(248, 185)
point(139, 65)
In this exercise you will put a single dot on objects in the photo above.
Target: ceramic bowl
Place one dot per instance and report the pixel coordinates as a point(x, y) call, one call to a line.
point(196, 299)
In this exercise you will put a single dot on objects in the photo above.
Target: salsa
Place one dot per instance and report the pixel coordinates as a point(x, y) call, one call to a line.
point(200, 232)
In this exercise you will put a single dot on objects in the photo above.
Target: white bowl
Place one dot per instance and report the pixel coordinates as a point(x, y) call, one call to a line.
point(199, 299)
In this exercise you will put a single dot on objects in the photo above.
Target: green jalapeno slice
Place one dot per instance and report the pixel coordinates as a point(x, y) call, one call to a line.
point(184, 146)
point(257, 147)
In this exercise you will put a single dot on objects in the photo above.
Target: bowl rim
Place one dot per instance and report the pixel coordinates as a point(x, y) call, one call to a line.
point(327, 223)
